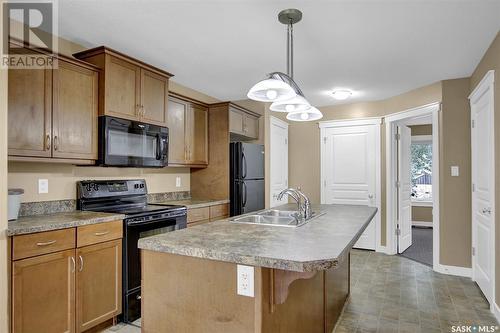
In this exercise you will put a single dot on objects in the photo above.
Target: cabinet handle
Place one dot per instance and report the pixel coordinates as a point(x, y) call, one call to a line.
point(139, 110)
point(101, 233)
point(46, 243)
point(81, 263)
point(47, 142)
point(73, 263)
point(143, 110)
point(56, 142)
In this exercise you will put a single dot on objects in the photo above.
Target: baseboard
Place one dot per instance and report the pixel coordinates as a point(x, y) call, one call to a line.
point(496, 311)
point(421, 224)
point(381, 249)
point(454, 270)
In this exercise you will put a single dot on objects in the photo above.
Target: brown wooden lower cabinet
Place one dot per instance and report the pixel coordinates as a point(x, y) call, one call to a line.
point(98, 283)
point(197, 216)
point(70, 290)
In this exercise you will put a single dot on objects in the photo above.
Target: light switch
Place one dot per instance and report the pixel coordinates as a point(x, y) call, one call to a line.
point(245, 276)
point(455, 171)
point(177, 181)
point(43, 186)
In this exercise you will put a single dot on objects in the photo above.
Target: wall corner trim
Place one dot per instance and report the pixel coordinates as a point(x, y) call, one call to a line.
point(454, 270)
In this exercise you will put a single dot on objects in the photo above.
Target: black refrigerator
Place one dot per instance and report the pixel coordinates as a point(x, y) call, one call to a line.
point(246, 177)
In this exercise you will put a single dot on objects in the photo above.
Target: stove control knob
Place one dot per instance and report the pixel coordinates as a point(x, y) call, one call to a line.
point(136, 186)
point(142, 185)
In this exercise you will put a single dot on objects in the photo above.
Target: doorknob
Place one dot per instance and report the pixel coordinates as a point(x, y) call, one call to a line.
point(486, 211)
point(370, 196)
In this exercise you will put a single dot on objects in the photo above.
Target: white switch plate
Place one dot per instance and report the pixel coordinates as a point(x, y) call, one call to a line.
point(455, 171)
point(43, 186)
point(177, 181)
point(245, 276)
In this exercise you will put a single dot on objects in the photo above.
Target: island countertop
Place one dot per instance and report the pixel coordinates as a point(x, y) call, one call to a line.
point(318, 245)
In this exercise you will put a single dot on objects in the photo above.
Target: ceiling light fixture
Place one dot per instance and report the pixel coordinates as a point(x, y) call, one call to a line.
point(341, 94)
point(280, 88)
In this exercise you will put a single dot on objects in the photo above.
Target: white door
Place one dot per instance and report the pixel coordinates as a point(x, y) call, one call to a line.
point(482, 192)
point(349, 162)
point(278, 157)
point(404, 188)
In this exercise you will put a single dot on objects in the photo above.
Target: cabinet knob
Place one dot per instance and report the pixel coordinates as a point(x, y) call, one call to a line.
point(47, 142)
point(56, 142)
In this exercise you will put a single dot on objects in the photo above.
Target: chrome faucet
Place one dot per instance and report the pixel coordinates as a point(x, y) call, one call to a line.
point(303, 208)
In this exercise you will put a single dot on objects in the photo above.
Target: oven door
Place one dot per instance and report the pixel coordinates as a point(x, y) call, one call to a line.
point(132, 260)
point(129, 143)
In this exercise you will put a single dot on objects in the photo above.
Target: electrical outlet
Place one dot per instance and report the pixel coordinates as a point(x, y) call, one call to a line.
point(455, 171)
point(177, 181)
point(43, 186)
point(245, 276)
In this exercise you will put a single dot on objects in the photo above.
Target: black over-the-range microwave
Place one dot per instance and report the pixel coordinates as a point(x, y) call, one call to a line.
point(127, 143)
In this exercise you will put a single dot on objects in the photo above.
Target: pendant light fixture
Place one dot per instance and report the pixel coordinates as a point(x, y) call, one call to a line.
point(280, 88)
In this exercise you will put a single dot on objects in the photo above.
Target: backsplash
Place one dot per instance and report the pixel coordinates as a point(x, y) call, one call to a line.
point(64, 206)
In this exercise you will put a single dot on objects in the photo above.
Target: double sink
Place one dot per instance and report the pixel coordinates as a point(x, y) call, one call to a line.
point(274, 217)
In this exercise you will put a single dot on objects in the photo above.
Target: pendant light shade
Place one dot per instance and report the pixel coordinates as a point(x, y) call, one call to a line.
point(298, 103)
point(308, 115)
point(271, 90)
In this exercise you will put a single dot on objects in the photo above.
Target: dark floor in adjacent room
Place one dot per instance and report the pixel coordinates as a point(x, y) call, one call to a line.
point(391, 294)
point(421, 248)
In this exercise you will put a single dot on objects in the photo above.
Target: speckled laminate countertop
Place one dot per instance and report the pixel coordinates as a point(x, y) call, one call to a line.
point(194, 203)
point(38, 223)
point(318, 245)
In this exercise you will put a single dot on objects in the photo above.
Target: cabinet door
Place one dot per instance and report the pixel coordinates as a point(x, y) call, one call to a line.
point(43, 293)
point(176, 123)
point(98, 283)
point(251, 126)
point(30, 110)
point(235, 121)
point(122, 88)
point(154, 90)
point(198, 135)
point(74, 112)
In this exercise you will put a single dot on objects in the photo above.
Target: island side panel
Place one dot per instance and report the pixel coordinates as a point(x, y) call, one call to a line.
point(187, 295)
point(337, 289)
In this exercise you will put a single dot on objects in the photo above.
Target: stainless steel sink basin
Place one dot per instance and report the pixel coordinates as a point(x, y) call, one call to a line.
point(285, 221)
point(281, 218)
point(275, 212)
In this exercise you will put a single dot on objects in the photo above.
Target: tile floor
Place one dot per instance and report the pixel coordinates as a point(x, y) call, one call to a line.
point(392, 294)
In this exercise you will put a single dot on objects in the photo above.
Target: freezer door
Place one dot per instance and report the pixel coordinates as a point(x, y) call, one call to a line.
point(252, 196)
point(252, 161)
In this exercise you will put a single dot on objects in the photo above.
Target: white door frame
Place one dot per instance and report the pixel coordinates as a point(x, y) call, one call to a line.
point(280, 123)
point(323, 125)
point(486, 85)
point(391, 175)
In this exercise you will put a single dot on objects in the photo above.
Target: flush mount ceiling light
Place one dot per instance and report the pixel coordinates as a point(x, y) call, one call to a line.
point(341, 94)
point(308, 115)
point(280, 88)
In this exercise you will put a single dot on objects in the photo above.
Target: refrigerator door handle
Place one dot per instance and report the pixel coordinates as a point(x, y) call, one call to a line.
point(243, 166)
point(244, 194)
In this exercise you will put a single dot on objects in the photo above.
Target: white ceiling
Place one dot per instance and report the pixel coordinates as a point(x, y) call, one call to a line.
point(376, 48)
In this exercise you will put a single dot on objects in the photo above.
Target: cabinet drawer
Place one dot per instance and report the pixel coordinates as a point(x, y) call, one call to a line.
point(98, 233)
point(198, 214)
point(25, 246)
point(219, 210)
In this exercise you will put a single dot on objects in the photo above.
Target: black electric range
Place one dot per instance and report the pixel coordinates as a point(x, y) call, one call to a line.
point(129, 197)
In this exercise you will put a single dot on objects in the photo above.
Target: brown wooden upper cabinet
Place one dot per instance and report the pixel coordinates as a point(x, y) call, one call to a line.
point(243, 122)
point(130, 89)
point(188, 132)
point(53, 112)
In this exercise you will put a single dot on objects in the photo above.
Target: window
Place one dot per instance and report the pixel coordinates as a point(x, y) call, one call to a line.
point(421, 169)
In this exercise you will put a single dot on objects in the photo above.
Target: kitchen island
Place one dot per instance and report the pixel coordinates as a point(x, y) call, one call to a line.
point(300, 275)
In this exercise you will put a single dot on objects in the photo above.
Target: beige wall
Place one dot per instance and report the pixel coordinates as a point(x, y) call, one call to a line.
point(4, 298)
point(304, 140)
point(491, 60)
point(455, 192)
point(421, 214)
point(421, 129)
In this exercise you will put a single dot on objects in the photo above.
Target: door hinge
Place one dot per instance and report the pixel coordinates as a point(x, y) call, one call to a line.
point(473, 251)
point(324, 140)
point(286, 141)
point(324, 183)
point(473, 123)
point(398, 232)
point(473, 187)
point(398, 184)
point(397, 136)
